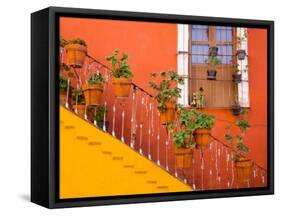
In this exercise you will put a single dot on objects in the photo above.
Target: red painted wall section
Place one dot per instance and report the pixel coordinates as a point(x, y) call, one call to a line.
point(153, 47)
point(150, 46)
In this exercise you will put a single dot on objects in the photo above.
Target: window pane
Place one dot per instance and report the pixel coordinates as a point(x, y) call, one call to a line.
point(223, 33)
point(200, 33)
point(199, 53)
point(225, 54)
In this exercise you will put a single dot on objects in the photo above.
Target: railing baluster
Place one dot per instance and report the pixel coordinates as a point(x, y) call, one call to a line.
point(149, 129)
point(104, 117)
point(133, 118)
point(141, 123)
point(113, 118)
point(122, 129)
point(67, 93)
point(167, 151)
point(158, 138)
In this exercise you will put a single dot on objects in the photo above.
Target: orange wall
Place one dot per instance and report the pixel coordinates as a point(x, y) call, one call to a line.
point(153, 46)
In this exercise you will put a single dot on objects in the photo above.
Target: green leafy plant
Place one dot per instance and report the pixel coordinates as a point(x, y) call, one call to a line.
point(63, 84)
point(77, 95)
point(63, 42)
point(119, 65)
point(77, 41)
point(184, 139)
point(99, 113)
point(198, 99)
point(235, 68)
point(238, 146)
point(167, 90)
point(194, 119)
point(213, 61)
point(96, 79)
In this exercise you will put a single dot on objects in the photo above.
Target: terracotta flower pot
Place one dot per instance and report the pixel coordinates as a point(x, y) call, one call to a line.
point(121, 86)
point(202, 137)
point(80, 109)
point(184, 158)
point(62, 97)
point(76, 54)
point(168, 115)
point(93, 94)
point(243, 168)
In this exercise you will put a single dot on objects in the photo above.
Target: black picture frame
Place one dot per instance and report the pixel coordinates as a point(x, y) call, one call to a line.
point(45, 106)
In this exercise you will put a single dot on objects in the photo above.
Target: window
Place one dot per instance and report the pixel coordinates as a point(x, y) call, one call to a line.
point(219, 92)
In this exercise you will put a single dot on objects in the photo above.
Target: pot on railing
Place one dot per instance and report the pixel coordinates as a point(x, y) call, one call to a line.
point(243, 168)
point(211, 74)
point(213, 51)
point(168, 115)
point(93, 94)
point(184, 157)
point(241, 54)
point(79, 109)
point(76, 54)
point(202, 137)
point(237, 78)
point(121, 87)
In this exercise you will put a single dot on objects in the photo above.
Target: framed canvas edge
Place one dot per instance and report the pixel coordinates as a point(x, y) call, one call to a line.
point(55, 12)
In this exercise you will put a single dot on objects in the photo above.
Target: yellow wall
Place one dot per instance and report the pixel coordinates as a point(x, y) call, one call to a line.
point(93, 163)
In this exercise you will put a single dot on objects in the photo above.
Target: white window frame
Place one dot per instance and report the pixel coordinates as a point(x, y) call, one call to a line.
point(182, 62)
point(243, 87)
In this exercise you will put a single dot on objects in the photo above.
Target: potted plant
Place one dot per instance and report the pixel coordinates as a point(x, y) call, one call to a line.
point(236, 108)
point(243, 164)
point(167, 92)
point(99, 114)
point(79, 102)
point(93, 89)
point(241, 53)
point(198, 99)
point(237, 76)
point(213, 51)
point(121, 74)
point(200, 124)
point(211, 72)
point(76, 51)
point(185, 145)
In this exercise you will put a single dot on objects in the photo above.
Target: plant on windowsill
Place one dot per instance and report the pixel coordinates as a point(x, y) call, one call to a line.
point(236, 108)
point(237, 76)
point(243, 164)
point(185, 144)
point(79, 102)
point(76, 51)
point(241, 53)
point(121, 74)
point(167, 92)
point(93, 89)
point(213, 62)
point(198, 99)
point(200, 124)
point(213, 51)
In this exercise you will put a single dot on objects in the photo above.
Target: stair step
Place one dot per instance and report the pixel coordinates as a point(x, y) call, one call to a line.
point(69, 127)
point(117, 158)
point(151, 182)
point(82, 138)
point(128, 166)
point(94, 143)
point(162, 187)
point(106, 152)
point(140, 172)
point(61, 122)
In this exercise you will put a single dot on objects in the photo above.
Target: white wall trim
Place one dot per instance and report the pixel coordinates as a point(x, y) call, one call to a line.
point(243, 87)
point(182, 62)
